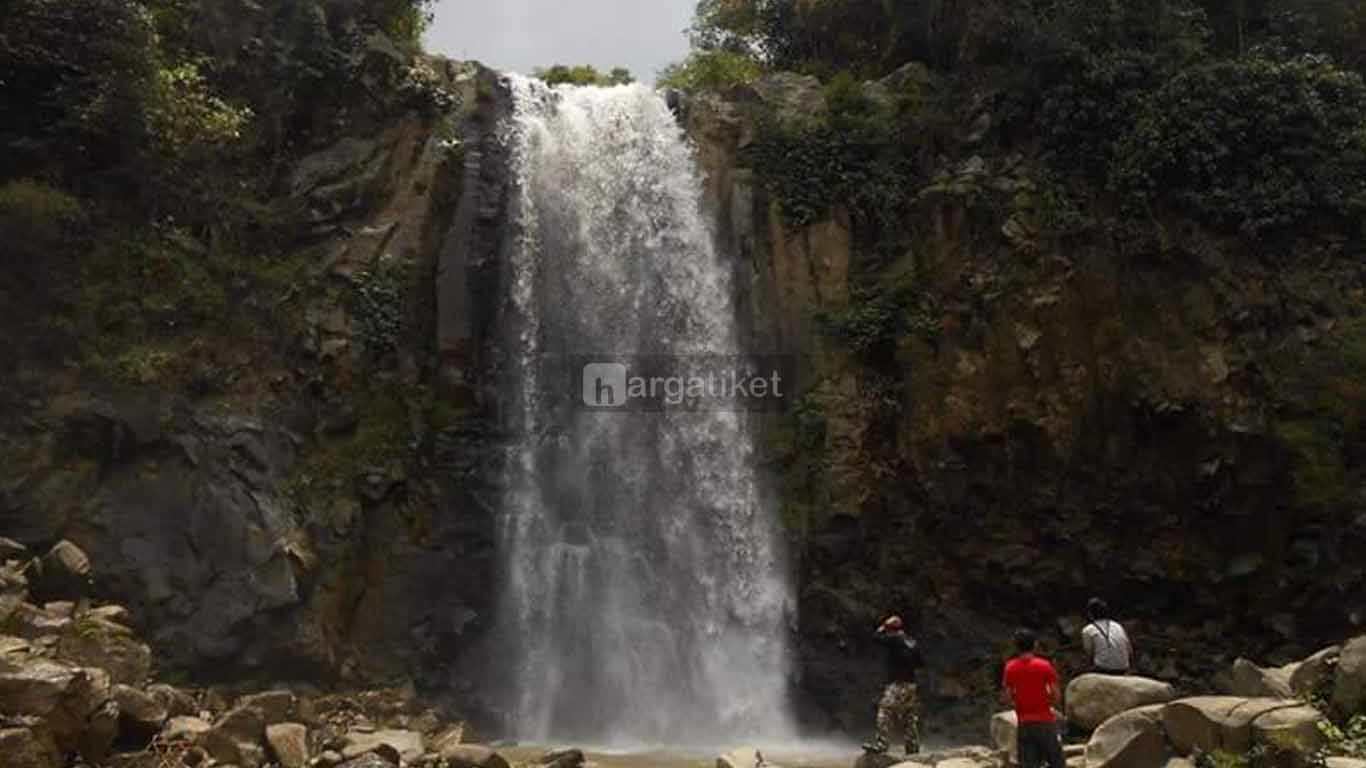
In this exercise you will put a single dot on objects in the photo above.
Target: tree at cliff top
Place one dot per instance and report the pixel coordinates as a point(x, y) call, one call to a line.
point(584, 74)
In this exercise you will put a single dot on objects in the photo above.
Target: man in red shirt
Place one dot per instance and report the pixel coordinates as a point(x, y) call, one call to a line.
point(1032, 684)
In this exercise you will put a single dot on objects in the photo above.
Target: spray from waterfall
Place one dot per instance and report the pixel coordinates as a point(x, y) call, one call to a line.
point(646, 598)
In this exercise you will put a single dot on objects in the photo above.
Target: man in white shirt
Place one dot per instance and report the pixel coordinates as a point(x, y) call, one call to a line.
point(1107, 644)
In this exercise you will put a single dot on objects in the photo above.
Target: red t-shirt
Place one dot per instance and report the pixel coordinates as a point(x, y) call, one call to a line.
point(1029, 677)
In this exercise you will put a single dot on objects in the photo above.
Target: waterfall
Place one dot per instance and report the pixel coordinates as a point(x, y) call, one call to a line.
point(646, 599)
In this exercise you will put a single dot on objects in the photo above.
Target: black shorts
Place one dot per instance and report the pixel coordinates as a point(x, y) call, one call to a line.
point(1039, 744)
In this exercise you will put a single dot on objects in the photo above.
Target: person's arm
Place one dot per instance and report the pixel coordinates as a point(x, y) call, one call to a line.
point(1054, 695)
point(1007, 694)
point(1088, 642)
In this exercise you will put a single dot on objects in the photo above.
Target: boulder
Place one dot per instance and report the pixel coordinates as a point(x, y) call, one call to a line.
point(1310, 674)
point(275, 706)
point(63, 573)
point(1230, 723)
point(115, 613)
point(470, 756)
point(966, 762)
point(178, 703)
point(563, 758)
point(1092, 699)
point(1292, 728)
point(24, 748)
point(237, 738)
point(70, 701)
point(744, 757)
point(288, 744)
point(1344, 762)
point(1349, 687)
point(408, 744)
point(1252, 681)
point(141, 716)
point(94, 642)
point(12, 550)
point(187, 729)
point(1004, 727)
point(1132, 739)
point(875, 760)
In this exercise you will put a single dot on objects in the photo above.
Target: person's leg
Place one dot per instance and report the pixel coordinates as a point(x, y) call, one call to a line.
point(1027, 746)
point(886, 716)
point(1052, 747)
point(911, 719)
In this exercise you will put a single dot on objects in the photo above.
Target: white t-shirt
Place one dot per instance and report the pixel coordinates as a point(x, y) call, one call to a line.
point(1107, 644)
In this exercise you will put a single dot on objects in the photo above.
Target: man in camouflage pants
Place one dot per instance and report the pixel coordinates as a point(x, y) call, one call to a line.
point(899, 708)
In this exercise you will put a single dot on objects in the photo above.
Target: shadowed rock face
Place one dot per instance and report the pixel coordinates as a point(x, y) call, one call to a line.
point(1083, 420)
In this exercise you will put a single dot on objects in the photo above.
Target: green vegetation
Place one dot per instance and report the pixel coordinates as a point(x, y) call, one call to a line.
point(710, 70)
point(584, 75)
point(1346, 740)
point(1247, 115)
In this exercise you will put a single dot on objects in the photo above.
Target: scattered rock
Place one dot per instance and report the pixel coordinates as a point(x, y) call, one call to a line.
point(12, 550)
point(115, 613)
point(1349, 688)
point(69, 701)
point(1250, 680)
point(275, 706)
point(94, 642)
point(328, 758)
point(1092, 699)
point(178, 703)
point(63, 573)
point(407, 744)
point(563, 758)
point(875, 760)
point(288, 744)
point(184, 728)
point(1132, 739)
point(141, 716)
point(23, 748)
point(1344, 762)
point(471, 756)
point(236, 738)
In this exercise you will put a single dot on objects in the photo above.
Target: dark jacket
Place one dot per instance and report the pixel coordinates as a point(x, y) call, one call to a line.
point(903, 656)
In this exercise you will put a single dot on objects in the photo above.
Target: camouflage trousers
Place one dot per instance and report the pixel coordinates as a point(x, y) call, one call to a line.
point(898, 713)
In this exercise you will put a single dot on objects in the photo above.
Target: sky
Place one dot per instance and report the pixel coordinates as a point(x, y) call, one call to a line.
point(520, 35)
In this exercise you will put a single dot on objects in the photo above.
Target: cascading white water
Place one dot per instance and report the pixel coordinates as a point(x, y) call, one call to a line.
point(646, 596)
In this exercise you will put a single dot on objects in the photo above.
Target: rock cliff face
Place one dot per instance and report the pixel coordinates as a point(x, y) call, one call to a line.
point(1166, 419)
point(322, 511)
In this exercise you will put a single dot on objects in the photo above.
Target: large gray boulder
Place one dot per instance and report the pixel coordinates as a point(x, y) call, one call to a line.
point(1349, 687)
point(1232, 724)
point(178, 703)
point(1092, 699)
point(279, 706)
point(1132, 739)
